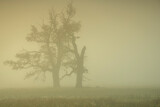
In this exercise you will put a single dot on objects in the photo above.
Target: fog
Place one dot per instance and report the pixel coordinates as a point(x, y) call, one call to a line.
point(122, 40)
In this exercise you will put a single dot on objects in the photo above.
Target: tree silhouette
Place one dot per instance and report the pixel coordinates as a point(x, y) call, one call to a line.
point(77, 63)
point(57, 48)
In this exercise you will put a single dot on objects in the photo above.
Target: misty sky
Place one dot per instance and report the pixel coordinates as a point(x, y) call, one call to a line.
point(122, 40)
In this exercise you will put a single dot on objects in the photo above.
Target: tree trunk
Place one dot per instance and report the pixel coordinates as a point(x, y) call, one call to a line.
point(55, 70)
point(55, 74)
point(80, 62)
point(56, 79)
point(79, 79)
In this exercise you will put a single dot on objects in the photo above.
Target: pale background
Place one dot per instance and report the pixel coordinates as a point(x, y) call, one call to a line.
point(122, 39)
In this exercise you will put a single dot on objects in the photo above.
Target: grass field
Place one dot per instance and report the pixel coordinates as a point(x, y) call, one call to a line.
point(86, 97)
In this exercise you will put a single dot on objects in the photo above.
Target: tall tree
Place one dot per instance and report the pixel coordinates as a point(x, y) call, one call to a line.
point(57, 48)
point(76, 62)
point(52, 40)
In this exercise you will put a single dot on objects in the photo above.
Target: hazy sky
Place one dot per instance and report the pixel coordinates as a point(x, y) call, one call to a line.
point(122, 40)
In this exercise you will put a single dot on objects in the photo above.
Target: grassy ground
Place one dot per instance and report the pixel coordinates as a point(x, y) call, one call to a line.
point(86, 97)
point(75, 102)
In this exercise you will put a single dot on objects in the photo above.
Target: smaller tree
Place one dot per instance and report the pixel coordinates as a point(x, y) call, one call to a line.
point(76, 63)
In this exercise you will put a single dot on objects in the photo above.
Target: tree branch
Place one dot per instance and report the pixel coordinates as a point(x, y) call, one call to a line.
point(67, 74)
